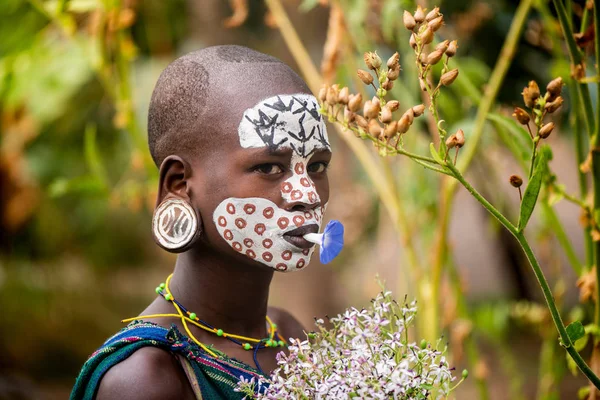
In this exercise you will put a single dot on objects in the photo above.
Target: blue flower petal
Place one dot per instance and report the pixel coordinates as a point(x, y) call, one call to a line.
point(333, 241)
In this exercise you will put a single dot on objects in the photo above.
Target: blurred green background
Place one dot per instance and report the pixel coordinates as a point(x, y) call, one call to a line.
point(77, 185)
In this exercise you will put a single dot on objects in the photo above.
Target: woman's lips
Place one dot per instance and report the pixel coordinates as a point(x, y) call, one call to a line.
point(296, 238)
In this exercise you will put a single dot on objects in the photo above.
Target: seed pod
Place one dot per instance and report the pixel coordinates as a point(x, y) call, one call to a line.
point(349, 115)
point(436, 23)
point(449, 77)
point(403, 124)
point(332, 94)
point(374, 128)
point(443, 46)
point(515, 180)
point(409, 21)
point(530, 94)
point(521, 115)
point(423, 58)
point(413, 41)
point(546, 130)
point(343, 97)
point(452, 47)
point(323, 94)
point(410, 115)
point(372, 60)
point(435, 57)
point(554, 105)
point(427, 35)
point(386, 115)
point(388, 84)
point(355, 102)
point(361, 121)
point(422, 84)
point(394, 61)
point(460, 138)
point(365, 76)
point(419, 15)
point(392, 105)
point(369, 110)
point(390, 129)
point(555, 87)
point(432, 14)
point(393, 74)
point(451, 141)
point(418, 110)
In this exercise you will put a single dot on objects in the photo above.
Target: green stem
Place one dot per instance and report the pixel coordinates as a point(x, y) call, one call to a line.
point(594, 148)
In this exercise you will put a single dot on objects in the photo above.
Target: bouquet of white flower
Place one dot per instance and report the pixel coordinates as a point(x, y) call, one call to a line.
point(365, 354)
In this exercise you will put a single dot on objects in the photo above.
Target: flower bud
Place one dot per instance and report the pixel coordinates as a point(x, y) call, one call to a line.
point(427, 35)
point(349, 115)
point(432, 14)
point(361, 121)
point(410, 115)
point(436, 23)
point(394, 61)
point(521, 115)
point(434, 57)
point(332, 95)
point(419, 15)
point(403, 124)
point(413, 41)
point(393, 105)
point(409, 21)
point(451, 141)
point(365, 76)
point(546, 130)
point(393, 74)
point(443, 46)
point(530, 94)
point(555, 87)
point(390, 129)
point(372, 60)
point(418, 110)
point(343, 97)
point(460, 138)
point(374, 128)
point(323, 94)
point(515, 180)
point(452, 47)
point(449, 77)
point(554, 105)
point(387, 85)
point(355, 102)
point(386, 115)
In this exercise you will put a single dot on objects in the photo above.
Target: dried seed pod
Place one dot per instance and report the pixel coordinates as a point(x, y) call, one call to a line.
point(434, 57)
point(460, 138)
point(427, 35)
point(394, 61)
point(355, 102)
point(521, 115)
point(361, 121)
point(332, 95)
point(436, 23)
point(409, 21)
point(515, 181)
point(393, 74)
point(554, 105)
point(372, 60)
point(365, 76)
point(410, 114)
point(386, 115)
point(370, 111)
point(343, 96)
point(554, 87)
point(349, 116)
point(451, 141)
point(546, 130)
point(390, 129)
point(530, 94)
point(432, 14)
point(423, 84)
point(452, 47)
point(403, 124)
point(419, 15)
point(449, 77)
point(393, 105)
point(413, 41)
point(387, 84)
point(423, 58)
point(418, 110)
point(323, 94)
point(443, 46)
point(374, 128)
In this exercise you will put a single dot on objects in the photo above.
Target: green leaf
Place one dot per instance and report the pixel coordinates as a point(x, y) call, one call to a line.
point(91, 154)
point(533, 190)
point(435, 154)
point(576, 331)
point(88, 185)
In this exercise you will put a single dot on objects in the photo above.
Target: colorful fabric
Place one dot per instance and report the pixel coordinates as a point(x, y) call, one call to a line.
point(211, 378)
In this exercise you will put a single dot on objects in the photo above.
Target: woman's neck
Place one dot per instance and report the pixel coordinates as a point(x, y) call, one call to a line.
point(226, 294)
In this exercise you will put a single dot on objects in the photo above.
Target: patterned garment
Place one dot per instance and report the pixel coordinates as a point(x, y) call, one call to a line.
point(210, 378)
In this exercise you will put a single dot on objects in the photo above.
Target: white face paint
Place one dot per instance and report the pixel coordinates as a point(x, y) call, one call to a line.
point(255, 226)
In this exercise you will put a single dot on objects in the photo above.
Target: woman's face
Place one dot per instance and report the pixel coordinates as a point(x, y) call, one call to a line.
point(275, 187)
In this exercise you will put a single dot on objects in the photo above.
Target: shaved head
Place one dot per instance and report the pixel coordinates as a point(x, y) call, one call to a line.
point(200, 98)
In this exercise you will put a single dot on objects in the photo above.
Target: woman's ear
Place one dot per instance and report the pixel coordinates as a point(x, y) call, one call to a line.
point(173, 179)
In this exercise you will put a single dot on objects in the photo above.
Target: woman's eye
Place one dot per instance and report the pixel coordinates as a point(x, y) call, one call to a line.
point(317, 167)
point(268, 169)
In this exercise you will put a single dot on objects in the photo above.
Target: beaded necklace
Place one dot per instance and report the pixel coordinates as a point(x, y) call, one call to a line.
point(247, 343)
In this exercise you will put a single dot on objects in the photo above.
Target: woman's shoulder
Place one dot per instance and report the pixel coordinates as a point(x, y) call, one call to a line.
point(287, 324)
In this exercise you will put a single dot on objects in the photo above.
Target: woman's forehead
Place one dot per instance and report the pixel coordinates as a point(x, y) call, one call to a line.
point(285, 122)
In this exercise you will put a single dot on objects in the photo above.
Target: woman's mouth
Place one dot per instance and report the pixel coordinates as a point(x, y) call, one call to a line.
point(296, 238)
